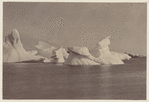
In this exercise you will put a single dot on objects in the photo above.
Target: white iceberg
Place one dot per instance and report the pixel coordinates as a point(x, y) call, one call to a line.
point(59, 55)
point(51, 53)
point(13, 50)
point(80, 56)
point(102, 52)
point(45, 49)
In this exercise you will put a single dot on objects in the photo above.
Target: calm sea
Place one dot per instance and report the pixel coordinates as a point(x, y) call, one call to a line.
point(50, 81)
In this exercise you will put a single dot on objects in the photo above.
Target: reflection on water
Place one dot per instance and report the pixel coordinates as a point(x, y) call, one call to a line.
point(49, 81)
point(106, 82)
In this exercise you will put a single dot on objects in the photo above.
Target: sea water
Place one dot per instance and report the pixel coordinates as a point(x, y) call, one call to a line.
point(51, 81)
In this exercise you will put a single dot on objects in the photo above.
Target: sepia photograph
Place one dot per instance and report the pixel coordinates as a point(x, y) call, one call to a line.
point(74, 50)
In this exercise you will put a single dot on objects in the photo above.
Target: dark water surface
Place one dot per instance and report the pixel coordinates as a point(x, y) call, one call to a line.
point(49, 81)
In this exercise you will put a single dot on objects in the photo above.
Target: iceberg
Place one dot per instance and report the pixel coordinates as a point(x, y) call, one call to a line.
point(102, 52)
point(45, 49)
point(51, 53)
point(121, 56)
point(134, 55)
point(59, 55)
point(33, 52)
point(13, 50)
point(65, 54)
point(80, 56)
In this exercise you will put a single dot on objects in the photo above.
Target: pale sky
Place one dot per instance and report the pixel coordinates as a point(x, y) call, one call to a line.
point(79, 24)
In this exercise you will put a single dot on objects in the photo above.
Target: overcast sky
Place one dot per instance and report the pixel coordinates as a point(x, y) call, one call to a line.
point(79, 24)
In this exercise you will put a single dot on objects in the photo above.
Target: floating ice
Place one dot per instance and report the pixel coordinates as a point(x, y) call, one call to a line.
point(102, 52)
point(59, 55)
point(121, 56)
point(13, 50)
point(80, 56)
point(45, 49)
